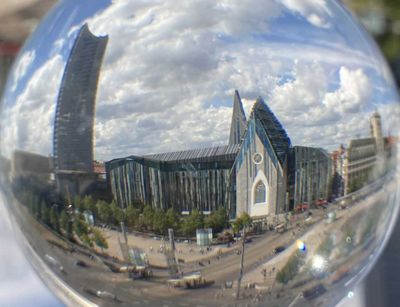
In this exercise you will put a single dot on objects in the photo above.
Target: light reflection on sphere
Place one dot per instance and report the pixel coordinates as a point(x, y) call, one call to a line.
point(206, 152)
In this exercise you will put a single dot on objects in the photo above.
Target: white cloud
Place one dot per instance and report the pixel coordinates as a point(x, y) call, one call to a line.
point(318, 111)
point(163, 64)
point(317, 12)
point(28, 123)
point(170, 70)
point(23, 63)
point(353, 91)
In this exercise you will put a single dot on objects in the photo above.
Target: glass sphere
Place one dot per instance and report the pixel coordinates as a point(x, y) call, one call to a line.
point(171, 153)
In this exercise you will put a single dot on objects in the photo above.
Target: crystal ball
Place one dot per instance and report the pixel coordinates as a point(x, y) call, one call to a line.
point(170, 153)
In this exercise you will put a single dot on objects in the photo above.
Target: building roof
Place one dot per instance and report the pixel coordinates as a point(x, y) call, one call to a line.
point(196, 155)
point(361, 142)
point(238, 122)
point(273, 128)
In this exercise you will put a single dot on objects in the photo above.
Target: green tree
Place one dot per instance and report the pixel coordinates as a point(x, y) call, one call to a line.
point(86, 240)
point(78, 204)
point(147, 217)
point(217, 220)
point(80, 227)
point(172, 218)
point(64, 219)
point(54, 221)
point(290, 269)
point(194, 221)
point(37, 205)
point(45, 213)
point(89, 204)
point(160, 224)
point(117, 214)
point(69, 230)
point(99, 239)
point(244, 220)
point(132, 217)
point(104, 212)
point(138, 204)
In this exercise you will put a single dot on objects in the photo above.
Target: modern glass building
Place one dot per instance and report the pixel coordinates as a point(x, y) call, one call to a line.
point(310, 175)
point(250, 174)
point(75, 110)
point(73, 125)
point(181, 180)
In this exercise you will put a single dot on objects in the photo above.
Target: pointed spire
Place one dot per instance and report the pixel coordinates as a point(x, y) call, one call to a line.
point(273, 128)
point(238, 123)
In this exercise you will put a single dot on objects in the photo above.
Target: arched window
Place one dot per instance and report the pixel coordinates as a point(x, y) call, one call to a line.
point(260, 195)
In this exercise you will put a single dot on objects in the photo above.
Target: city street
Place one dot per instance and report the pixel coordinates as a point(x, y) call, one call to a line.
point(221, 264)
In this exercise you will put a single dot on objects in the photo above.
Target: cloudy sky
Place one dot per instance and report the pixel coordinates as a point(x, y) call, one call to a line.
point(171, 68)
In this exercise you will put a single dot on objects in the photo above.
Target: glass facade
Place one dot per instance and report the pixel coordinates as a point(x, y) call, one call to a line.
point(74, 119)
point(180, 180)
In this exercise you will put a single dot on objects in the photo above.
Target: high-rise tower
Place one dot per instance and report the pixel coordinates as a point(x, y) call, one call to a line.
point(238, 123)
point(73, 126)
point(75, 111)
point(376, 132)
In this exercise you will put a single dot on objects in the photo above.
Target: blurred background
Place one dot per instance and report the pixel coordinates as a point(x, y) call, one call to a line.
point(18, 18)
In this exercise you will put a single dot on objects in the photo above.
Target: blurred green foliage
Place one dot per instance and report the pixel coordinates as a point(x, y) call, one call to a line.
point(389, 38)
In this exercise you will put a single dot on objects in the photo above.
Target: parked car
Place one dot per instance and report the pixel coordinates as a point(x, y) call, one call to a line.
point(280, 227)
point(314, 292)
point(279, 249)
point(81, 263)
point(301, 208)
point(321, 202)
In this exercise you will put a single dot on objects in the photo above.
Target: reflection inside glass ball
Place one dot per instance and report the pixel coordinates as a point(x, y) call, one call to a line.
point(201, 153)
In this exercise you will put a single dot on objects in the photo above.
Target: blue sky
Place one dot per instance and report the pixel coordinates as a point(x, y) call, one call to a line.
point(170, 70)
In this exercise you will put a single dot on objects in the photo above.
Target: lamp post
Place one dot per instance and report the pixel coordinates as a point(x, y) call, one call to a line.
point(241, 263)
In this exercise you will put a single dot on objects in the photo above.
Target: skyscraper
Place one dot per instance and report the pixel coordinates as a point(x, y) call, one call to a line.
point(74, 119)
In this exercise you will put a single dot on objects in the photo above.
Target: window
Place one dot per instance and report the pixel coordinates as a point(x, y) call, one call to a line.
point(260, 193)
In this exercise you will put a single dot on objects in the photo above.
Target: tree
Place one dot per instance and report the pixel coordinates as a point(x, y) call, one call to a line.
point(64, 220)
point(117, 214)
point(80, 227)
point(217, 220)
point(331, 186)
point(172, 218)
point(147, 217)
point(69, 230)
point(45, 216)
point(78, 204)
point(37, 205)
point(99, 239)
point(104, 212)
point(194, 221)
point(54, 222)
point(89, 204)
point(132, 216)
point(137, 204)
point(86, 240)
point(290, 269)
point(244, 220)
point(160, 224)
